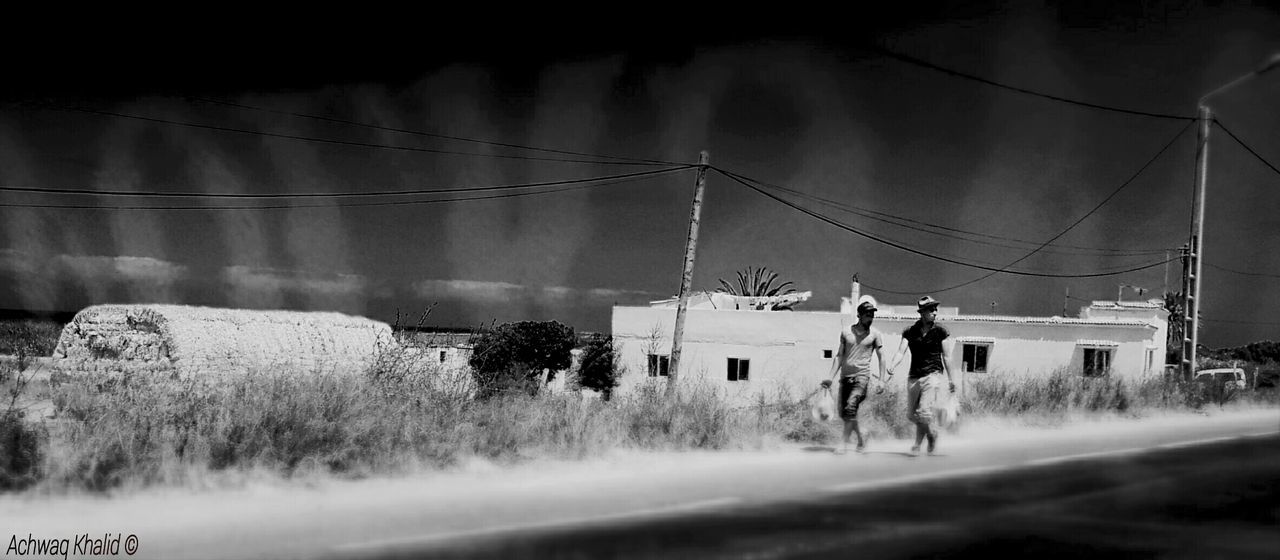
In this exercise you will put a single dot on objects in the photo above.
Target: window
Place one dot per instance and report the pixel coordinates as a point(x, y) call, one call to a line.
point(739, 369)
point(1151, 360)
point(1097, 362)
point(826, 353)
point(442, 356)
point(659, 365)
point(974, 356)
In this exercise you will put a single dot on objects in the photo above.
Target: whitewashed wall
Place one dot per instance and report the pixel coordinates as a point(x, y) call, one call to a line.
point(786, 348)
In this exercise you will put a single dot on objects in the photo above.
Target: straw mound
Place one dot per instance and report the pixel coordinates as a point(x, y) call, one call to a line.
point(203, 340)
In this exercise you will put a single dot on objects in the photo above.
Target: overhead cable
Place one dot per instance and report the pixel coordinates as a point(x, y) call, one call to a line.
point(427, 134)
point(1241, 272)
point(926, 64)
point(598, 182)
point(1070, 227)
point(856, 231)
point(896, 220)
point(342, 194)
point(1246, 146)
point(340, 142)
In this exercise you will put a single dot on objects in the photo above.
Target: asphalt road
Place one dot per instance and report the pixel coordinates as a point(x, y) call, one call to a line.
point(1172, 487)
point(1213, 500)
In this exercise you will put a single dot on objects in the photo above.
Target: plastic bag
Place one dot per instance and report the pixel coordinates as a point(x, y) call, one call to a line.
point(948, 410)
point(824, 407)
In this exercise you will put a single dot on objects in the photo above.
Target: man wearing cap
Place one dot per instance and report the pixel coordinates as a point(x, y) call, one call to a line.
point(924, 379)
point(853, 362)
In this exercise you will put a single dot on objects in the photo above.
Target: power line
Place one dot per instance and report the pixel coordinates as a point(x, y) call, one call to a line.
point(743, 180)
point(1005, 269)
point(1239, 322)
point(428, 134)
point(894, 220)
point(1245, 146)
point(926, 64)
point(1082, 218)
point(597, 183)
point(347, 194)
point(1225, 269)
point(338, 142)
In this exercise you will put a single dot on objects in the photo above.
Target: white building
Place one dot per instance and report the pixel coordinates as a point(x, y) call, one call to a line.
point(745, 353)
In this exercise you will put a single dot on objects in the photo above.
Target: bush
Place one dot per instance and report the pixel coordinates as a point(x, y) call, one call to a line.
point(29, 337)
point(600, 369)
point(20, 452)
point(513, 356)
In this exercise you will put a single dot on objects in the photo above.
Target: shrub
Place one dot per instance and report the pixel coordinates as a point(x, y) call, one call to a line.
point(29, 337)
point(20, 451)
point(513, 356)
point(600, 369)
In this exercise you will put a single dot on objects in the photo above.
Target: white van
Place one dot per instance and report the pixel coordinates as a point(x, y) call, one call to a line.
point(1228, 377)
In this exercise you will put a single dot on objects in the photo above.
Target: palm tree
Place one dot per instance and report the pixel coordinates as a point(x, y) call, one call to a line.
point(758, 282)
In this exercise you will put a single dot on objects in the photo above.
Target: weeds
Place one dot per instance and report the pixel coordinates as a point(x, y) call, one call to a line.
point(409, 413)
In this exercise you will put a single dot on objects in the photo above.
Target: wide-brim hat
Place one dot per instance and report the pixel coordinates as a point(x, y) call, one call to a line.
point(927, 303)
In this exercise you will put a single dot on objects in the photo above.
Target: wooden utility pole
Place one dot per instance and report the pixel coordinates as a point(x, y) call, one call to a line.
point(1191, 294)
point(686, 276)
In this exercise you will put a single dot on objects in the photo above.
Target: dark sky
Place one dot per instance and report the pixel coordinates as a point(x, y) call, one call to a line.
point(797, 101)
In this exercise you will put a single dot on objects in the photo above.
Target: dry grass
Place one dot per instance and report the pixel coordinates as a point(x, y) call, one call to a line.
point(406, 415)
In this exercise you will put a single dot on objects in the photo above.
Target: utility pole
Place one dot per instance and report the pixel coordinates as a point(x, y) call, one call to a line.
point(1195, 248)
point(1191, 294)
point(1064, 301)
point(686, 276)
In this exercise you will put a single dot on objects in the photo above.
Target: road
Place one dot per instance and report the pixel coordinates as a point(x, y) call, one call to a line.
point(1160, 487)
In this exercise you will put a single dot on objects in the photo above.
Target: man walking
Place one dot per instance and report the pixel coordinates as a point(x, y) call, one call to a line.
point(853, 362)
point(924, 379)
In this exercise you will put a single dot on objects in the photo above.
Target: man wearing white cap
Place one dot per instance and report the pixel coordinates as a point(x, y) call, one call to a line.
point(928, 363)
point(853, 362)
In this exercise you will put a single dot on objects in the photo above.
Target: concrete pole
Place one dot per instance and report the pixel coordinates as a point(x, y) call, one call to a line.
point(686, 276)
point(1191, 308)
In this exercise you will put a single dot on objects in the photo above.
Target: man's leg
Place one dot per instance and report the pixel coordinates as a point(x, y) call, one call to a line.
point(858, 395)
point(850, 427)
point(913, 412)
point(933, 389)
point(846, 390)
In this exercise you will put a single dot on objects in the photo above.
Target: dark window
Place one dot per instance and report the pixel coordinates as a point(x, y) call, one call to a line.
point(974, 357)
point(442, 355)
point(659, 365)
point(826, 353)
point(1097, 362)
point(739, 369)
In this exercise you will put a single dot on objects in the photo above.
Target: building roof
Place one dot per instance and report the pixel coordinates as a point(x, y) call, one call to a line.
point(1055, 320)
point(1149, 304)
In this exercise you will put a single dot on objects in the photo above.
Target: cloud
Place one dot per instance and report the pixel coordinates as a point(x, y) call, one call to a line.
point(258, 287)
point(473, 290)
point(612, 294)
point(145, 278)
point(498, 292)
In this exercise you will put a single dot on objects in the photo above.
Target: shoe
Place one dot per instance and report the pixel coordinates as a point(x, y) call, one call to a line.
point(862, 448)
point(915, 451)
point(933, 444)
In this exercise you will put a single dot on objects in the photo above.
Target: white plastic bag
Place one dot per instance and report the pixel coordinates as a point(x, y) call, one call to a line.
point(948, 410)
point(824, 406)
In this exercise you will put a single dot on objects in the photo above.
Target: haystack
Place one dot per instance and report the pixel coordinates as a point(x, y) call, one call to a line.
point(187, 340)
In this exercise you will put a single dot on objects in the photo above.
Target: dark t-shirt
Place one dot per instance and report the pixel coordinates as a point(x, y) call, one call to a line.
point(926, 349)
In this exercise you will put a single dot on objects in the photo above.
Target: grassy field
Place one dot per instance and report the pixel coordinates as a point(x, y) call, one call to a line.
point(120, 433)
